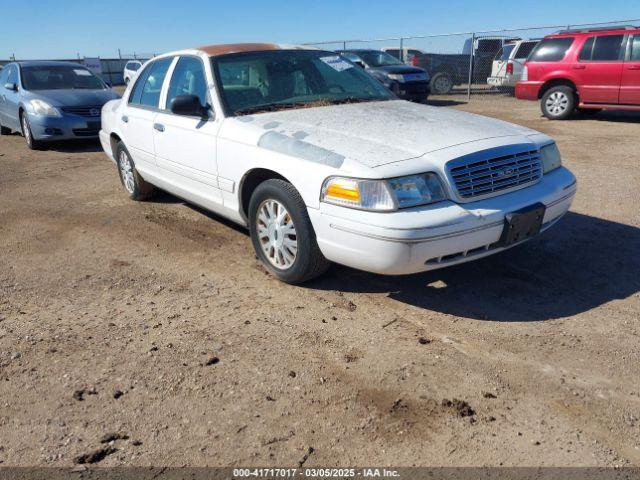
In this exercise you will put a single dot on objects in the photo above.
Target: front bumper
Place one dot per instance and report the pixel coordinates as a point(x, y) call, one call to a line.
point(412, 91)
point(528, 90)
point(66, 127)
point(434, 236)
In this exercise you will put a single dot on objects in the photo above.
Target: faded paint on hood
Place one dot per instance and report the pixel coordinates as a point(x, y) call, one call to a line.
point(380, 133)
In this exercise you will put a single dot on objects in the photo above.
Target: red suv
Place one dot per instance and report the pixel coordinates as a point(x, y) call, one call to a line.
point(588, 70)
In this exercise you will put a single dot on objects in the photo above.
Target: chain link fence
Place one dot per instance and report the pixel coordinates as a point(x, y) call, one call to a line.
point(467, 65)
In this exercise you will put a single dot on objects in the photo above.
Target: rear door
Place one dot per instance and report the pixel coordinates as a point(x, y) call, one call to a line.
point(143, 106)
point(186, 146)
point(630, 85)
point(598, 69)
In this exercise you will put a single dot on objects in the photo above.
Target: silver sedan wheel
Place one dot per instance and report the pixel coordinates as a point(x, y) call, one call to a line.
point(277, 234)
point(557, 103)
point(126, 170)
point(25, 129)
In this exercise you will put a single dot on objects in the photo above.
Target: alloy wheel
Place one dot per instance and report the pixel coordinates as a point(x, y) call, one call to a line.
point(557, 103)
point(277, 234)
point(126, 170)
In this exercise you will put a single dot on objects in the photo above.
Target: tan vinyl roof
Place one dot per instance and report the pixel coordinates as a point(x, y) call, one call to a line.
point(237, 48)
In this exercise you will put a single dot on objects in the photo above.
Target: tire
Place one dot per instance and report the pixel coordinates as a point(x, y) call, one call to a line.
point(441, 83)
point(135, 186)
point(278, 218)
point(32, 143)
point(558, 103)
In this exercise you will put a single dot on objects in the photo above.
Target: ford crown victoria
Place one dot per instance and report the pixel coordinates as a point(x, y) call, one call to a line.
point(323, 164)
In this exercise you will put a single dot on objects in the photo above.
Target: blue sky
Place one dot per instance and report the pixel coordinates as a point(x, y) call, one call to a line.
point(46, 29)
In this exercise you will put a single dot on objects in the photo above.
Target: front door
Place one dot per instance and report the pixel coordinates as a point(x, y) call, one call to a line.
point(630, 87)
point(185, 146)
point(599, 69)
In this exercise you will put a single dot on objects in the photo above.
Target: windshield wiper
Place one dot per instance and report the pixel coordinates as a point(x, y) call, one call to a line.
point(272, 107)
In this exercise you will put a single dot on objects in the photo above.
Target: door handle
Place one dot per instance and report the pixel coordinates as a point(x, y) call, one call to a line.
point(579, 67)
point(125, 119)
point(634, 67)
point(159, 127)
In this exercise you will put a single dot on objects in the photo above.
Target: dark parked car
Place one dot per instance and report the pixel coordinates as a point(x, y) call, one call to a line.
point(450, 69)
point(407, 82)
point(48, 101)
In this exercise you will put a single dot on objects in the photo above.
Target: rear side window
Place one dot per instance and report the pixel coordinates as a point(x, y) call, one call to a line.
point(605, 48)
point(551, 50)
point(149, 85)
point(635, 48)
point(133, 66)
point(525, 49)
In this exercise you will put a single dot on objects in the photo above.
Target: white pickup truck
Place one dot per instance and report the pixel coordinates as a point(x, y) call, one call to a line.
point(322, 163)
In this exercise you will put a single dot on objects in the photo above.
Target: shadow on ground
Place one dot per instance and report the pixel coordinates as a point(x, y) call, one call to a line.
point(579, 264)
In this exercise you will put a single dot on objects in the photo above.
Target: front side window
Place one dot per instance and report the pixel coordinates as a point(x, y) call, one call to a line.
point(188, 79)
point(274, 80)
point(587, 49)
point(551, 50)
point(148, 87)
point(59, 77)
point(635, 49)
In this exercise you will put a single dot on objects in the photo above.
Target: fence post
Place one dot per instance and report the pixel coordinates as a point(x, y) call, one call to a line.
point(402, 59)
point(119, 54)
point(471, 55)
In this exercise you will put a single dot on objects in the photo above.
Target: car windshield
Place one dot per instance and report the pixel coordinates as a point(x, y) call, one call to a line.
point(275, 80)
point(378, 59)
point(60, 77)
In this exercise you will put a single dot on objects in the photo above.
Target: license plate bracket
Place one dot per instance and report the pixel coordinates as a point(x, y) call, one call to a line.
point(522, 224)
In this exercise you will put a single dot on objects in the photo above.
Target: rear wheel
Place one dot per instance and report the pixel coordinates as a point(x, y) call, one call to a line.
point(282, 234)
point(133, 183)
point(32, 143)
point(558, 103)
point(441, 83)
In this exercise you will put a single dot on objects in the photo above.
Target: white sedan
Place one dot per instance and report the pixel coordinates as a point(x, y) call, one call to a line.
point(323, 164)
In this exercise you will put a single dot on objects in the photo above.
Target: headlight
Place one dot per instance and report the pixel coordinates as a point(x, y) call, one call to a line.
point(40, 107)
point(398, 77)
point(383, 195)
point(550, 156)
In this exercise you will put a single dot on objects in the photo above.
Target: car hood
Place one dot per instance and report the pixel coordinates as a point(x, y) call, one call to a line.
point(372, 134)
point(75, 98)
point(396, 69)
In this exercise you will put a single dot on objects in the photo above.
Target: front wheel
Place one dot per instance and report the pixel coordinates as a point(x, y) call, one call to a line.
point(282, 234)
point(32, 143)
point(558, 103)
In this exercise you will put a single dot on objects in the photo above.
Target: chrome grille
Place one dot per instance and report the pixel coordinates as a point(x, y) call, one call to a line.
point(92, 111)
point(475, 176)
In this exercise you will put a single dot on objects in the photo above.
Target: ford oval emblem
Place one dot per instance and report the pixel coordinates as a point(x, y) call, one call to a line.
point(507, 172)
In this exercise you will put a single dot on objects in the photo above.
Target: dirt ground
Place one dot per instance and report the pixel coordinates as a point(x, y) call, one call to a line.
point(155, 322)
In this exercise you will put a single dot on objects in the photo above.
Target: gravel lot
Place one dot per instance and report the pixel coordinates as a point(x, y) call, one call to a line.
point(155, 322)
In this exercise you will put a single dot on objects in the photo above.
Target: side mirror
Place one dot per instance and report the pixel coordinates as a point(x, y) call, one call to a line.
point(360, 63)
point(188, 105)
point(11, 86)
